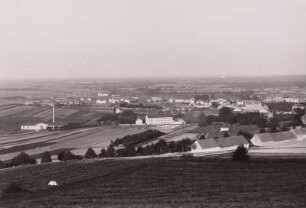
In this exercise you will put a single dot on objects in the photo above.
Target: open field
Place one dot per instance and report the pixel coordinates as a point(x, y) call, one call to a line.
point(79, 140)
point(161, 182)
point(13, 116)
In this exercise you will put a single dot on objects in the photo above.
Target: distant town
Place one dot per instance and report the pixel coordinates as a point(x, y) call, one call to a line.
point(140, 117)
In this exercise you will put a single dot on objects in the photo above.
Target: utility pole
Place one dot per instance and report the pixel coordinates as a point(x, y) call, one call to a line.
point(53, 119)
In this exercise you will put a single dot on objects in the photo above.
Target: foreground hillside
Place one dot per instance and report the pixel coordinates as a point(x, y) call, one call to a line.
point(161, 182)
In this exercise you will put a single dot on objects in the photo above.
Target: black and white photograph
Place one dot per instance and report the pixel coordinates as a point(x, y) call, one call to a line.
point(152, 103)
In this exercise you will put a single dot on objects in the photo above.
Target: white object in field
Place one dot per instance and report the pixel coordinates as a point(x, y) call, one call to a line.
point(52, 183)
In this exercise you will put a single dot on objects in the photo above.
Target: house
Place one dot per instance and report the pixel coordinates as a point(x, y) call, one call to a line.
point(283, 136)
point(139, 122)
point(35, 127)
point(272, 138)
point(224, 129)
point(101, 101)
point(219, 144)
point(261, 139)
point(205, 145)
point(300, 133)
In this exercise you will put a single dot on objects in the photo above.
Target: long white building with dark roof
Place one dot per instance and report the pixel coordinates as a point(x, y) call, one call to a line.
point(267, 139)
point(219, 144)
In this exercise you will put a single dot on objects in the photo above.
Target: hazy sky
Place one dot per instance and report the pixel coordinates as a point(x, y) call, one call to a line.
point(143, 38)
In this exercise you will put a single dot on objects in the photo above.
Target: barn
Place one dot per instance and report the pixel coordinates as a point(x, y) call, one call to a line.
point(219, 144)
point(262, 139)
point(300, 133)
point(266, 139)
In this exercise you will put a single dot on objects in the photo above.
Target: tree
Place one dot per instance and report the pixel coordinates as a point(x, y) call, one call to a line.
point(285, 128)
point(110, 151)
point(22, 159)
point(46, 157)
point(67, 155)
point(90, 153)
point(248, 136)
point(139, 150)
point(226, 134)
point(273, 130)
point(241, 154)
point(2, 165)
point(103, 153)
point(224, 114)
point(161, 146)
point(262, 131)
point(214, 105)
point(202, 120)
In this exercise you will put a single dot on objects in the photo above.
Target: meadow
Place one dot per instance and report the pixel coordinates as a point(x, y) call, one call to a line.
point(160, 182)
point(13, 116)
point(35, 143)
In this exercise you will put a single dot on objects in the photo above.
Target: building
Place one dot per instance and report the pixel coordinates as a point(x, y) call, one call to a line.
point(267, 139)
point(219, 144)
point(262, 139)
point(158, 120)
point(35, 127)
point(139, 122)
point(300, 133)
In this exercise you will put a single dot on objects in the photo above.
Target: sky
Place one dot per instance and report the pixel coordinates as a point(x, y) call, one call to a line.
point(151, 38)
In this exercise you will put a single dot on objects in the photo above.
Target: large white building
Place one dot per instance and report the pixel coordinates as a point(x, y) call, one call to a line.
point(158, 120)
point(218, 144)
point(35, 127)
point(162, 120)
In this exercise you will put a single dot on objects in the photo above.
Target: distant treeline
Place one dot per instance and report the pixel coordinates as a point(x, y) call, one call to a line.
point(227, 116)
point(126, 117)
point(140, 105)
point(280, 106)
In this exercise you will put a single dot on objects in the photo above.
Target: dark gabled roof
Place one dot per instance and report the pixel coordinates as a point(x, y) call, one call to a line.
point(231, 141)
point(282, 136)
point(265, 137)
point(208, 143)
point(159, 116)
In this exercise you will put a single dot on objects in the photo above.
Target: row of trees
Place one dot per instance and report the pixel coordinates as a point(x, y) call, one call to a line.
point(131, 140)
point(21, 159)
point(160, 147)
point(226, 115)
point(126, 117)
point(139, 105)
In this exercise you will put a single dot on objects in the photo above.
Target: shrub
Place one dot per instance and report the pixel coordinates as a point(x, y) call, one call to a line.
point(46, 157)
point(90, 153)
point(67, 155)
point(22, 159)
point(241, 154)
point(187, 156)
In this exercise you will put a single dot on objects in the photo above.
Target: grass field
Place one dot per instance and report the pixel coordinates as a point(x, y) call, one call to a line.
point(161, 182)
point(13, 116)
point(36, 143)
